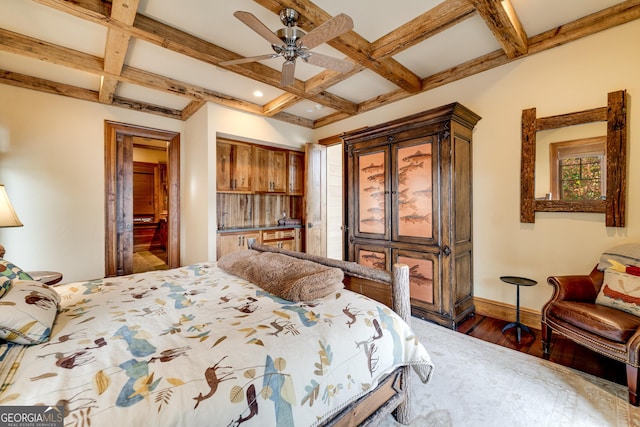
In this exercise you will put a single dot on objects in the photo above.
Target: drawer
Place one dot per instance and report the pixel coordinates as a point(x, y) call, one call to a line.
point(278, 234)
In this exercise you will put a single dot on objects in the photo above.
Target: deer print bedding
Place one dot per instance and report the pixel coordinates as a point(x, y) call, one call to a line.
point(196, 346)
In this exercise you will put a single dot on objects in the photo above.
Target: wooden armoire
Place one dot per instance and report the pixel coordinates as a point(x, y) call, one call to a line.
point(409, 200)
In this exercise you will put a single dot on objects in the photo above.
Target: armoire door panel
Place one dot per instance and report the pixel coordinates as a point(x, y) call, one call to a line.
point(372, 188)
point(413, 190)
point(423, 275)
point(373, 256)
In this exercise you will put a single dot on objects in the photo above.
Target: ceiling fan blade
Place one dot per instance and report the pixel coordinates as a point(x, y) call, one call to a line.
point(256, 25)
point(325, 61)
point(331, 29)
point(288, 70)
point(249, 59)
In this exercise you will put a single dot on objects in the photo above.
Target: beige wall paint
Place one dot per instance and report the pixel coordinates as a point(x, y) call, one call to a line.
point(52, 163)
point(573, 77)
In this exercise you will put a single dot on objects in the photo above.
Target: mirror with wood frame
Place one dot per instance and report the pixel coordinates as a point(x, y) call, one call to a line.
point(581, 135)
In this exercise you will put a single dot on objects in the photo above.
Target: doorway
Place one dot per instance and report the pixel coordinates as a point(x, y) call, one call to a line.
point(120, 139)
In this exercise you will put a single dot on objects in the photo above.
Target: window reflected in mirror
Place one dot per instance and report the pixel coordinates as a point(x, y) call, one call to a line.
point(578, 169)
point(571, 163)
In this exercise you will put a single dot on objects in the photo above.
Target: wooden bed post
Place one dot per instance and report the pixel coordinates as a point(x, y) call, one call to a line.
point(402, 306)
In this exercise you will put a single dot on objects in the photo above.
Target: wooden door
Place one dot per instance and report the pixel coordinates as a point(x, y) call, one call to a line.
point(315, 199)
point(118, 195)
point(124, 205)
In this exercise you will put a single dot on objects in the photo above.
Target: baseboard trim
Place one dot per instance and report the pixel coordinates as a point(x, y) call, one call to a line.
point(502, 311)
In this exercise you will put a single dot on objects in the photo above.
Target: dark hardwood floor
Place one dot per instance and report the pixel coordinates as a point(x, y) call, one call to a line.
point(563, 351)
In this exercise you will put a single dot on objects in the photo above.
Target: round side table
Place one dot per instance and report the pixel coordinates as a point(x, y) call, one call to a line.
point(518, 281)
point(46, 277)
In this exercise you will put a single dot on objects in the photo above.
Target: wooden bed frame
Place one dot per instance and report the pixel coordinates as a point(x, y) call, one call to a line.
point(392, 393)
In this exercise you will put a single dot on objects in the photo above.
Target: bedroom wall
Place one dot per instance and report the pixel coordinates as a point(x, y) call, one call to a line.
point(52, 164)
point(570, 78)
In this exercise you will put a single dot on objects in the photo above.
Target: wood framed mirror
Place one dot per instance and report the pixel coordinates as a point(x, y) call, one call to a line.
point(614, 169)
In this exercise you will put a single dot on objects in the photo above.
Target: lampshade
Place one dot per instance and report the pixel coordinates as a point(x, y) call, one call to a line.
point(8, 217)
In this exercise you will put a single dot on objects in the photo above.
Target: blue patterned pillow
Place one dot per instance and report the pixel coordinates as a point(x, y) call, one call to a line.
point(12, 271)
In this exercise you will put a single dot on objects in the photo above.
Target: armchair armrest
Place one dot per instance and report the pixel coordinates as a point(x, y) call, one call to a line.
point(576, 287)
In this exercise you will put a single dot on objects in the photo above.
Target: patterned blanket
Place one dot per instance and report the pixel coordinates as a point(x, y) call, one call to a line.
point(196, 346)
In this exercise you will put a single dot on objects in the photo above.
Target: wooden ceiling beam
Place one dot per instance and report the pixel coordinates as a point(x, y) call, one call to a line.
point(47, 86)
point(159, 34)
point(115, 50)
point(350, 43)
point(503, 22)
point(279, 104)
point(443, 16)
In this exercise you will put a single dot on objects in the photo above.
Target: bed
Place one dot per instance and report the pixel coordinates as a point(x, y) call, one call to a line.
point(198, 346)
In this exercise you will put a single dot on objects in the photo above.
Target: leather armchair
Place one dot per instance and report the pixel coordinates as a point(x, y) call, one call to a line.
point(573, 313)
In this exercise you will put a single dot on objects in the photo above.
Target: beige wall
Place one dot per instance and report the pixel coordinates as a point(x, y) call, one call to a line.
point(570, 78)
point(52, 162)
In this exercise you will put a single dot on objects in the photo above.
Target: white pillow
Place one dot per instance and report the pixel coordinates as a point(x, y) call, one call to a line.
point(27, 312)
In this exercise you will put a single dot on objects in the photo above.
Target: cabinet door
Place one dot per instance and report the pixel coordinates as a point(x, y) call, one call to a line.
point(223, 167)
point(371, 188)
point(243, 167)
point(296, 173)
point(234, 167)
point(229, 243)
point(261, 169)
point(278, 171)
point(270, 170)
point(298, 239)
point(412, 190)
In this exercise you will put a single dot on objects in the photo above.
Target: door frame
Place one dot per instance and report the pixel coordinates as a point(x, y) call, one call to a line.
point(114, 133)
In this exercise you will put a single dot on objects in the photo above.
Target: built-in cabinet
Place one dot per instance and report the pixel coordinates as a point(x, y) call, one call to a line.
point(409, 201)
point(249, 168)
point(257, 187)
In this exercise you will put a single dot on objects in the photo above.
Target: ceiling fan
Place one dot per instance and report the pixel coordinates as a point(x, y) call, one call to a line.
point(292, 43)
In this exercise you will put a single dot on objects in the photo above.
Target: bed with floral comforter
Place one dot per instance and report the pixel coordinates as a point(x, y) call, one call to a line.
point(196, 346)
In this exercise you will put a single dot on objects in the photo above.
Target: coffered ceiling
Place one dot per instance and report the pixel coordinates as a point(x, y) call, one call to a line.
point(163, 56)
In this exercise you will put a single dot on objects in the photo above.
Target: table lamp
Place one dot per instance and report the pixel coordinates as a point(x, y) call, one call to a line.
point(8, 217)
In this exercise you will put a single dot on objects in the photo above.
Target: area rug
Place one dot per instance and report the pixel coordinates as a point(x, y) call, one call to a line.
point(476, 383)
